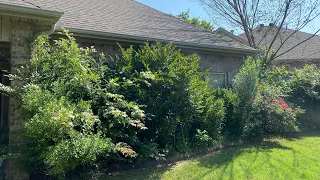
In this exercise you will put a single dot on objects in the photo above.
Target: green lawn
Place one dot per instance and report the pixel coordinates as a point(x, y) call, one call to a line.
point(293, 158)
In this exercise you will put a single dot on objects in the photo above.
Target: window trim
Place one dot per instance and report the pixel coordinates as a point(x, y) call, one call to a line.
point(226, 74)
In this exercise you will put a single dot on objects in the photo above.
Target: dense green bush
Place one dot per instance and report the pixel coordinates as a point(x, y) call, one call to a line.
point(270, 114)
point(246, 87)
point(144, 104)
point(300, 87)
point(262, 107)
point(81, 111)
point(232, 121)
point(304, 91)
point(57, 90)
point(176, 99)
point(60, 134)
point(304, 85)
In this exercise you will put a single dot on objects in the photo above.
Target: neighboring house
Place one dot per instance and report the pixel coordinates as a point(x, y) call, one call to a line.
point(103, 24)
point(306, 53)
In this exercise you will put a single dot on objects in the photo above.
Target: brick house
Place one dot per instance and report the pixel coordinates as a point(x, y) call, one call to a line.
point(299, 49)
point(305, 46)
point(103, 24)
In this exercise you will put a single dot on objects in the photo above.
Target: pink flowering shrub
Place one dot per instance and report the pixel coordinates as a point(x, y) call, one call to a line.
point(263, 109)
point(271, 114)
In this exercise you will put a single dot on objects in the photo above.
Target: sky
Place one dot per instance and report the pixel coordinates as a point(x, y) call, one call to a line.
point(177, 6)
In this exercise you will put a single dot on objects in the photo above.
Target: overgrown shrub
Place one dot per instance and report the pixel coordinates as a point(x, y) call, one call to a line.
point(262, 107)
point(304, 85)
point(176, 99)
point(60, 134)
point(231, 122)
point(270, 114)
point(202, 139)
point(81, 111)
point(300, 87)
point(304, 91)
point(246, 87)
point(56, 91)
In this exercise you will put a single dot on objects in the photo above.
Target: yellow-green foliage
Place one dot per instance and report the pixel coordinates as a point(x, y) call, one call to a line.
point(58, 91)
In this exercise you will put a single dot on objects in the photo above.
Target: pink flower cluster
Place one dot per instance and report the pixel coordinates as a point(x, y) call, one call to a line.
point(279, 101)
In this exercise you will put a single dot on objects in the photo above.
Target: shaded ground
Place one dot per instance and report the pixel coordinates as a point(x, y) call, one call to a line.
point(297, 157)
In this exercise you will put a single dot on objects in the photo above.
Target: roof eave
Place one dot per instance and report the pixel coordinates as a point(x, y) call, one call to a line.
point(32, 13)
point(231, 35)
point(139, 39)
point(297, 60)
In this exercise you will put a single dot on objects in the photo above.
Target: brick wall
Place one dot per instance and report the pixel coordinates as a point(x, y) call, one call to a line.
point(222, 64)
point(214, 61)
point(217, 62)
point(20, 54)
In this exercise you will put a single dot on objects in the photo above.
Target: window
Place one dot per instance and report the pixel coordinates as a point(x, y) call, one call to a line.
point(5, 30)
point(218, 80)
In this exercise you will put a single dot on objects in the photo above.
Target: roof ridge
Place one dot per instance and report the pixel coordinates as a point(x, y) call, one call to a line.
point(172, 16)
point(193, 25)
point(284, 28)
point(132, 19)
point(31, 4)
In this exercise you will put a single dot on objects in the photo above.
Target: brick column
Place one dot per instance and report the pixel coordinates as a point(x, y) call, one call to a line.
point(20, 54)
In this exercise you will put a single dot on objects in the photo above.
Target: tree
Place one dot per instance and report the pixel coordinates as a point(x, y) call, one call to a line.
point(282, 15)
point(185, 16)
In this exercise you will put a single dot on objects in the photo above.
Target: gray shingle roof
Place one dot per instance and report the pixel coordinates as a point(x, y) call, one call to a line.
point(309, 50)
point(19, 3)
point(128, 17)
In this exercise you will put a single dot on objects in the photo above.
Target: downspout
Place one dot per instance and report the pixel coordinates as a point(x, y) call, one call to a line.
point(53, 28)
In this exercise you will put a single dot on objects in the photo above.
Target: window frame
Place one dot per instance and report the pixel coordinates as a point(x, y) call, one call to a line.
point(226, 75)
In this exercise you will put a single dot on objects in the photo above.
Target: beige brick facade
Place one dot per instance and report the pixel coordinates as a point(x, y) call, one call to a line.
point(218, 63)
point(20, 54)
point(215, 62)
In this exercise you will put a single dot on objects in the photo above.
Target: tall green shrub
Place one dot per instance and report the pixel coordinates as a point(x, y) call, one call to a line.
point(56, 91)
point(304, 85)
point(246, 87)
point(81, 111)
point(177, 99)
point(231, 122)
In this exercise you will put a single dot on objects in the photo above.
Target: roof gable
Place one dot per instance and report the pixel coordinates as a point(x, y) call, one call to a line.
point(309, 50)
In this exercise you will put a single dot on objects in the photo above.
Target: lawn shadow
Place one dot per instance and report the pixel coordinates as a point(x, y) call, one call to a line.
point(229, 154)
point(222, 158)
point(225, 158)
point(223, 162)
point(145, 173)
point(292, 136)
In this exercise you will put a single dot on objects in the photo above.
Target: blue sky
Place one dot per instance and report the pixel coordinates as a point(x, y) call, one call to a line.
point(177, 6)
